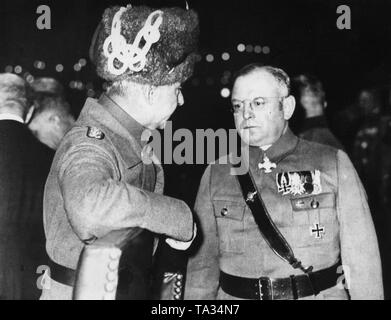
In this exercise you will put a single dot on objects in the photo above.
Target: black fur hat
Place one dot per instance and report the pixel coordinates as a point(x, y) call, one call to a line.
point(169, 60)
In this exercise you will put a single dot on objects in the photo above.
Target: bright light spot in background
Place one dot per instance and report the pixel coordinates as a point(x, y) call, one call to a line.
point(249, 48)
point(225, 56)
point(77, 67)
point(257, 49)
point(59, 68)
point(266, 50)
point(76, 85)
point(39, 65)
point(241, 47)
point(30, 78)
point(9, 69)
point(225, 92)
point(210, 57)
point(83, 62)
point(79, 85)
point(18, 69)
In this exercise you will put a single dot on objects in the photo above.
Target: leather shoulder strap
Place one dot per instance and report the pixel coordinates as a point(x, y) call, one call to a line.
point(268, 229)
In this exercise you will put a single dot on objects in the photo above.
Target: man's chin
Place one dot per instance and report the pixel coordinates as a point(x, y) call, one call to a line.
point(252, 141)
point(162, 125)
point(247, 137)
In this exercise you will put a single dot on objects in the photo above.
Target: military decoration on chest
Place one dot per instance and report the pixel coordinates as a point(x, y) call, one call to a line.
point(299, 182)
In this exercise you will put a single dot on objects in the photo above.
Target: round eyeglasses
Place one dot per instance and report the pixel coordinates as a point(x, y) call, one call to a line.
point(255, 104)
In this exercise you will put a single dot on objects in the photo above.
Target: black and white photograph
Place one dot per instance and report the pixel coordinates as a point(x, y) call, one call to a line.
point(182, 152)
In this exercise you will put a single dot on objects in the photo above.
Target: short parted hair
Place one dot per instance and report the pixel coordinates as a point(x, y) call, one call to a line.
point(54, 103)
point(307, 83)
point(279, 75)
point(15, 92)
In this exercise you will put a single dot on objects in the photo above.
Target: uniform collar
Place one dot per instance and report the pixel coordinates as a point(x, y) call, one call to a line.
point(118, 126)
point(284, 146)
point(11, 116)
point(125, 119)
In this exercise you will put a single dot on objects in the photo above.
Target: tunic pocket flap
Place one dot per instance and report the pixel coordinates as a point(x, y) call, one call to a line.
point(229, 209)
point(318, 201)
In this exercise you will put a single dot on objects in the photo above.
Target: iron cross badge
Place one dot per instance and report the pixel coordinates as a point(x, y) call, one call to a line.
point(317, 230)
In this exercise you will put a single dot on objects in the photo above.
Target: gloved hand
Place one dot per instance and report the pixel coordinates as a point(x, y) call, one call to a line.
point(181, 245)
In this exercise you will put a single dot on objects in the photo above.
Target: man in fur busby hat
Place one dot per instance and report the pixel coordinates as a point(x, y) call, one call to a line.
point(99, 181)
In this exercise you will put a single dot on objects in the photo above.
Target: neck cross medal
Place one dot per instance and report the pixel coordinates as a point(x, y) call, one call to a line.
point(267, 165)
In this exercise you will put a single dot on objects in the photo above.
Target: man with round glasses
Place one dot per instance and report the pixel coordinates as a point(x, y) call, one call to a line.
point(312, 197)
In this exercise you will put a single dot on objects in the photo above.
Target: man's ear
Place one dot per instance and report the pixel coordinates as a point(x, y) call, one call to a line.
point(325, 105)
point(29, 114)
point(288, 104)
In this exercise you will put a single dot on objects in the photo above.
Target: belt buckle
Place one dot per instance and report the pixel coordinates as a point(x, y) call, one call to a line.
point(265, 287)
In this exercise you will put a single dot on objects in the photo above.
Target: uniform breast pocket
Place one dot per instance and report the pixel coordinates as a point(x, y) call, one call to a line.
point(230, 224)
point(314, 220)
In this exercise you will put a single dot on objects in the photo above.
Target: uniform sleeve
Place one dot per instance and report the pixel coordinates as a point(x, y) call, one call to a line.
point(96, 202)
point(202, 279)
point(359, 247)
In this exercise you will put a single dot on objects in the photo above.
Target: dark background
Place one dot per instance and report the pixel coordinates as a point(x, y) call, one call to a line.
point(301, 34)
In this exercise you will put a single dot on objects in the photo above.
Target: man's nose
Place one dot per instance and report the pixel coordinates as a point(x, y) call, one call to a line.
point(247, 111)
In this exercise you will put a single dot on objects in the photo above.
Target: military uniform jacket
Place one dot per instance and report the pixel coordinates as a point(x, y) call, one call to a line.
point(322, 220)
point(98, 183)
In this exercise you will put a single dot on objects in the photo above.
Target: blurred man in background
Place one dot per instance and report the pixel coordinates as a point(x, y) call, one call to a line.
point(369, 149)
point(23, 174)
point(52, 118)
point(347, 122)
point(371, 156)
point(311, 98)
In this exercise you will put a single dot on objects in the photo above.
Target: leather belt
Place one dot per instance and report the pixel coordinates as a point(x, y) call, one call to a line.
point(291, 288)
point(62, 274)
